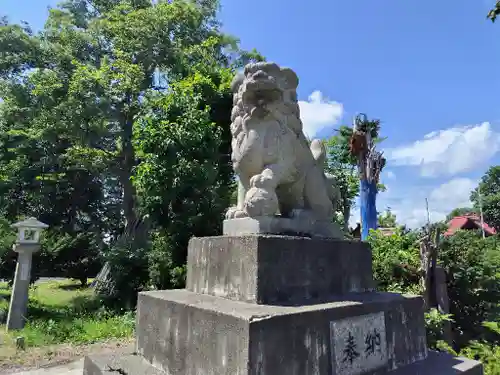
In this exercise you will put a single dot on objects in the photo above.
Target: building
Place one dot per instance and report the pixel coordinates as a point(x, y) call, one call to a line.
point(468, 222)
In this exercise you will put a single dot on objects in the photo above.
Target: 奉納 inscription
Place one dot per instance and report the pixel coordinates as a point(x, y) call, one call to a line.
point(358, 344)
point(350, 350)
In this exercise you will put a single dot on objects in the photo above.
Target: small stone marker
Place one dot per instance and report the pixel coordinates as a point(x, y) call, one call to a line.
point(20, 343)
point(358, 344)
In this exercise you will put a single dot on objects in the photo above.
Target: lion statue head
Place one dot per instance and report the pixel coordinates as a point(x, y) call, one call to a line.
point(265, 89)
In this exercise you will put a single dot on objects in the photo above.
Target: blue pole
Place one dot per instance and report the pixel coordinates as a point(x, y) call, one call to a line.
point(368, 208)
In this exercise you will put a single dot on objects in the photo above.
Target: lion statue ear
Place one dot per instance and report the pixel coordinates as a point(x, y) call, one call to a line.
point(318, 151)
point(291, 78)
point(236, 82)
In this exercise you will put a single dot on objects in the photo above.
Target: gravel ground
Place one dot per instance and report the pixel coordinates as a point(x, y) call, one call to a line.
point(62, 358)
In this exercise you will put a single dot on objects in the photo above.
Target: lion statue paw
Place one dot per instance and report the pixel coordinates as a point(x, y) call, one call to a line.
point(261, 202)
point(235, 213)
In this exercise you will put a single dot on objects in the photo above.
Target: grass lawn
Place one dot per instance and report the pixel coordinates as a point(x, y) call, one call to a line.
point(63, 320)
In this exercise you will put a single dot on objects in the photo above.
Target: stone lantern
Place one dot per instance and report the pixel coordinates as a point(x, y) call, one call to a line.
point(27, 243)
point(28, 231)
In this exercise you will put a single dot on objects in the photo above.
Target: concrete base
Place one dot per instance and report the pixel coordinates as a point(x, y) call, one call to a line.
point(184, 333)
point(435, 364)
point(181, 332)
point(284, 270)
point(279, 225)
point(114, 365)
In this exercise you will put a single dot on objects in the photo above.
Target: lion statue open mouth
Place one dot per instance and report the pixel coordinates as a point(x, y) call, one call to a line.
point(278, 170)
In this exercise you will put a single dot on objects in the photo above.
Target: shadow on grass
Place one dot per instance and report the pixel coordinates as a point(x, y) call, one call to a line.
point(5, 295)
point(79, 306)
point(71, 287)
point(85, 304)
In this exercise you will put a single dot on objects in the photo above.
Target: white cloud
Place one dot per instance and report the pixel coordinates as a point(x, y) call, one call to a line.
point(318, 113)
point(450, 151)
point(456, 192)
point(442, 200)
point(390, 175)
point(409, 205)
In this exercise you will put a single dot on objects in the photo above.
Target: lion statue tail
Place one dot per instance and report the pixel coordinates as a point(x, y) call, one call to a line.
point(318, 151)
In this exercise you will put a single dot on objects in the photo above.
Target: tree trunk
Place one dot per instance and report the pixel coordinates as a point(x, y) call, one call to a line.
point(346, 212)
point(368, 208)
point(127, 165)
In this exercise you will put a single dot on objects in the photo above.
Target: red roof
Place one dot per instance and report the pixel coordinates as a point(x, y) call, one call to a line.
point(471, 221)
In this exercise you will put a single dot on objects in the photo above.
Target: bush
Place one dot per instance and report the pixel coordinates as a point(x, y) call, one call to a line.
point(396, 261)
point(435, 324)
point(7, 256)
point(486, 352)
point(128, 275)
point(472, 266)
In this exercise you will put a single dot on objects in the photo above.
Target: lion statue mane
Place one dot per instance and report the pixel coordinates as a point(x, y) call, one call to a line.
point(278, 170)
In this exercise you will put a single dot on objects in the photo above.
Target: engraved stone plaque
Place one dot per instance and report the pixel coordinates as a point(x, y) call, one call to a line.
point(358, 344)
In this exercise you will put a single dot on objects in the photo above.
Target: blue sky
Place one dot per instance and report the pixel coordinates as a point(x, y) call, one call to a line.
point(426, 68)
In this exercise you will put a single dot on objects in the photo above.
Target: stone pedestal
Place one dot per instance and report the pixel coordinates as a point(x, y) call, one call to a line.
point(279, 305)
point(19, 298)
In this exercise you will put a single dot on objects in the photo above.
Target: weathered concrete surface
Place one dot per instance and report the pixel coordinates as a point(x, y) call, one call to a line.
point(115, 364)
point(281, 226)
point(268, 269)
point(181, 332)
point(73, 368)
point(435, 364)
point(442, 364)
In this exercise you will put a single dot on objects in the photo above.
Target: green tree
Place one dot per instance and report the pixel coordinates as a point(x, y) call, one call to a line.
point(493, 13)
point(342, 166)
point(183, 178)
point(396, 260)
point(387, 219)
point(489, 187)
point(472, 266)
point(73, 94)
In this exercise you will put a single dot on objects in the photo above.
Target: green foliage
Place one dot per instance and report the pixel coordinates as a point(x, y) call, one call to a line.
point(493, 13)
point(435, 322)
point(128, 275)
point(342, 166)
point(63, 312)
point(163, 272)
point(76, 256)
point(488, 352)
point(7, 256)
point(489, 187)
point(472, 266)
point(387, 219)
point(115, 109)
point(184, 177)
point(396, 261)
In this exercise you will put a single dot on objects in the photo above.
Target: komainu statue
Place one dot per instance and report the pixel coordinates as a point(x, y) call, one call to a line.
point(279, 170)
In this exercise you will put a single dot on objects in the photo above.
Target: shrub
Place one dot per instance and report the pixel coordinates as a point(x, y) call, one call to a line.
point(472, 266)
point(162, 271)
point(486, 352)
point(7, 256)
point(128, 275)
point(396, 261)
